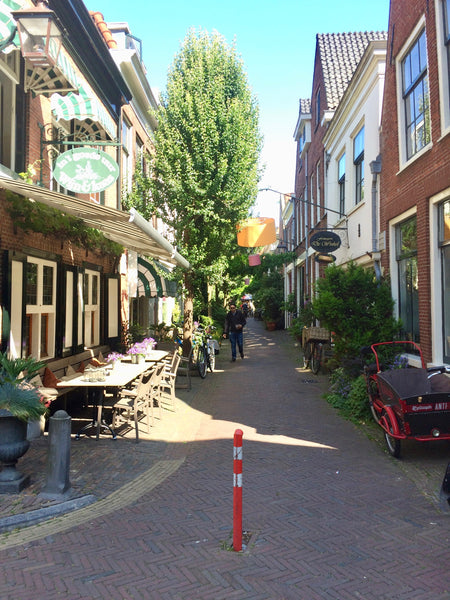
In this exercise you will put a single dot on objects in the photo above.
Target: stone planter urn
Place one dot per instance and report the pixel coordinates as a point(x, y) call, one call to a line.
point(13, 445)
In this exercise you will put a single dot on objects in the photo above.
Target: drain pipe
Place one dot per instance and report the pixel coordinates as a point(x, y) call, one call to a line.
point(375, 169)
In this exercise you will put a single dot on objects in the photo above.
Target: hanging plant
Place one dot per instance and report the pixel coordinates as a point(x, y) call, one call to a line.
point(34, 216)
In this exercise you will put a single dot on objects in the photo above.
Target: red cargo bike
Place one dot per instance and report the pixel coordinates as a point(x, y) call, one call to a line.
point(407, 403)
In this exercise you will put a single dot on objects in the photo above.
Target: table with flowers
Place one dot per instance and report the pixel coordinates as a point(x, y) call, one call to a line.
point(108, 376)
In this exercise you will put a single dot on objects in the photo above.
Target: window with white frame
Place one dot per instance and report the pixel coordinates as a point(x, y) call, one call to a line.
point(91, 302)
point(415, 95)
point(446, 7)
point(358, 161)
point(40, 291)
point(444, 243)
point(408, 284)
point(443, 55)
point(127, 158)
point(341, 184)
point(318, 192)
point(311, 207)
point(9, 77)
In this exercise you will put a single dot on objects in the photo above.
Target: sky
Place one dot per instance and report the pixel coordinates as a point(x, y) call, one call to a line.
point(276, 40)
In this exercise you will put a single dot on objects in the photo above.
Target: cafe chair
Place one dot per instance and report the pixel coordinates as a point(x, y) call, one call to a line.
point(168, 378)
point(138, 403)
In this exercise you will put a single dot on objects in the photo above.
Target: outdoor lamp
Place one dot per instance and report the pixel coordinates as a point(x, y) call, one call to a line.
point(40, 35)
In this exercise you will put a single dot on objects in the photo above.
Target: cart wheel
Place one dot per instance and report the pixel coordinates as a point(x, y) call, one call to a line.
point(372, 390)
point(393, 444)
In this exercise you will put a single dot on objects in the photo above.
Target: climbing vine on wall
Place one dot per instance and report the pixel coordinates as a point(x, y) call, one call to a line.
point(34, 216)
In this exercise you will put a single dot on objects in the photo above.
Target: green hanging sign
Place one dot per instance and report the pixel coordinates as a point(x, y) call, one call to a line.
point(85, 170)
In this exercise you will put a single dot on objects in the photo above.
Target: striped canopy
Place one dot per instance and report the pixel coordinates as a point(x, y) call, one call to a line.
point(8, 30)
point(82, 106)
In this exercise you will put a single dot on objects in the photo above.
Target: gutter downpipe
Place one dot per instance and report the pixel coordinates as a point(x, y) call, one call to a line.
point(375, 169)
point(140, 222)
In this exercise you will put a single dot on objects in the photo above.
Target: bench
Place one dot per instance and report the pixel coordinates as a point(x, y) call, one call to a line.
point(64, 368)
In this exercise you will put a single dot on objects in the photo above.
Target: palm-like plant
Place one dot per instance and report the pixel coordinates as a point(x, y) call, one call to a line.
point(17, 395)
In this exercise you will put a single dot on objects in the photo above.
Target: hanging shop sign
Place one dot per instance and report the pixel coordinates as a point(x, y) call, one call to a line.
point(325, 241)
point(85, 170)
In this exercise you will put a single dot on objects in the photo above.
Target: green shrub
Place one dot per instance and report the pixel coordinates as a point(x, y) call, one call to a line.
point(349, 396)
point(356, 307)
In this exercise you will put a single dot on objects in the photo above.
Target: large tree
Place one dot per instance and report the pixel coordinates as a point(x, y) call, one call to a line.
point(204, 172)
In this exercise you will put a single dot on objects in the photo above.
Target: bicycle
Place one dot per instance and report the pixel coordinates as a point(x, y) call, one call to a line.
point(317, 348)
point(204, 354)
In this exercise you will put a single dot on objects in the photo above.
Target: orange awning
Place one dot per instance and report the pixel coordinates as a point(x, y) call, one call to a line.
point(256, 232)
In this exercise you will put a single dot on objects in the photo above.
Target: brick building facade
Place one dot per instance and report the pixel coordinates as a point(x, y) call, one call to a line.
point(415, 177)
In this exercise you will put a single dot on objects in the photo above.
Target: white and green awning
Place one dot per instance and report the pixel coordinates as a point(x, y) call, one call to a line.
point(130, 229)
point(8, 29)
point(81, 106)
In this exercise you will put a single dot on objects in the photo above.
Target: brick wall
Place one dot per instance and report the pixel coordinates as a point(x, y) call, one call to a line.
point(429, 173)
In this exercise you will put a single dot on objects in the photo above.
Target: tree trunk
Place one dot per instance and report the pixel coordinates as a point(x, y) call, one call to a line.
point(188, 325)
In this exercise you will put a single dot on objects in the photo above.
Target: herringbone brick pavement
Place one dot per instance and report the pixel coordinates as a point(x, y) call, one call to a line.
point(330, 515)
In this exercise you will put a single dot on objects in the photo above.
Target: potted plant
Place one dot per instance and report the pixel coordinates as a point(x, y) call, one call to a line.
point(20, 402)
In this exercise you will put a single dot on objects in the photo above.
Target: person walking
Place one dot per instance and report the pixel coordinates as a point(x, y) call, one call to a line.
point(234, 325)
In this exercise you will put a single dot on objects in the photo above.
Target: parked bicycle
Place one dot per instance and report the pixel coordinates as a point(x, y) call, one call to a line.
point(317, 348)
point(203, 351)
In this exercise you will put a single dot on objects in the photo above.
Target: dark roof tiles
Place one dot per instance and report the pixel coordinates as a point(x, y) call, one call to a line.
point(340, 54)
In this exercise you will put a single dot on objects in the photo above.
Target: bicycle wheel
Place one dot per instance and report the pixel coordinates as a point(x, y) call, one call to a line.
point(307, 351)
point(316, 357)
point(211, 359)
point(201, 362)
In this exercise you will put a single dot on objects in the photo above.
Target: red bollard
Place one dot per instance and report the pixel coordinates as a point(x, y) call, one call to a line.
point(237, 490)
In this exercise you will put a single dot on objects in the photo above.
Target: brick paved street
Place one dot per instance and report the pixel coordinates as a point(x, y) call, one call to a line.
point(329, 514)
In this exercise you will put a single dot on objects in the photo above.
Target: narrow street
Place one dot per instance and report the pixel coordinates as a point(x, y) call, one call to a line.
point(329, 514)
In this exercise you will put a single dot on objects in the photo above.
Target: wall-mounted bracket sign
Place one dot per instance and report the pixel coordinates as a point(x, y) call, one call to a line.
point(85, 170)
point(325, 241)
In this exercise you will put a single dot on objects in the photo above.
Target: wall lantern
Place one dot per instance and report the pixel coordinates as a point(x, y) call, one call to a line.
point(40, 35)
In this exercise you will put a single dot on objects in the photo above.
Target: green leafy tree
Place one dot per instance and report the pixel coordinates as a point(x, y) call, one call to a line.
point(356, 307)
point(204, 172)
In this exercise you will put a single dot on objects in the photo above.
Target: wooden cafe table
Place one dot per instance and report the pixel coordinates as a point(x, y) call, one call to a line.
point(121, 375)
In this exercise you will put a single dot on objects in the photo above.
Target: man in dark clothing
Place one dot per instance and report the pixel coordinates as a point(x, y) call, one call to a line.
point(234, 324)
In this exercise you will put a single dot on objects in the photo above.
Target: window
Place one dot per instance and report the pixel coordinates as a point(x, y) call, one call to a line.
point(9, 69)
point(444, 243)
point(341, 184)
point(127, 167)
point(318, 192)
point(40, 293)
point(416, 97)
point(358, 161)
point(408, 287)
point(446, 7)
point(318, 108)
point(91, 302)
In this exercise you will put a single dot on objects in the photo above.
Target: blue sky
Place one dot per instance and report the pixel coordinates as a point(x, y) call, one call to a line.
point(276, 40)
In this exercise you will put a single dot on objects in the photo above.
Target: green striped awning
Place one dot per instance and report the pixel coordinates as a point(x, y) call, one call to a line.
point(81, 106)
point(8, 29)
